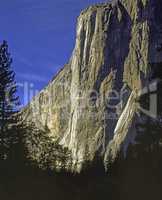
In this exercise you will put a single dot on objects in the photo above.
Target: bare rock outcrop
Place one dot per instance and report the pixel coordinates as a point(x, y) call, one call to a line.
point(91, 105)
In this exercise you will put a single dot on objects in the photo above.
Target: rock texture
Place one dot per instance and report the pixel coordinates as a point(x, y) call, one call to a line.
point(90, 106)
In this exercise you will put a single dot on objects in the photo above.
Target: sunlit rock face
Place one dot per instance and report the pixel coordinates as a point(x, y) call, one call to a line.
point(90, 106)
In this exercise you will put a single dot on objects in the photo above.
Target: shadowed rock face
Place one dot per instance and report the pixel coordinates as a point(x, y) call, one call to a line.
point(90, 106)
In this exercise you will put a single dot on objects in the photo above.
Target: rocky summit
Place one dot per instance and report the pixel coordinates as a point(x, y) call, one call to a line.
point(91, 106)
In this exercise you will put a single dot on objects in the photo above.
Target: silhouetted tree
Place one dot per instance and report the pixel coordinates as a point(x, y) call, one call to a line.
point(8, 103)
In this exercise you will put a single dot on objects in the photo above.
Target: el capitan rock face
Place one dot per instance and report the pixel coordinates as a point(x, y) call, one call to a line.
point(115, 42)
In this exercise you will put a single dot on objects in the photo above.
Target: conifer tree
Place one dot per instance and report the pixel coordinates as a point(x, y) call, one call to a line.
point(8, 103)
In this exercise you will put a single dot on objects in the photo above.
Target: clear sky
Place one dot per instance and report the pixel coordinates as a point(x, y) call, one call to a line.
point(41, 36)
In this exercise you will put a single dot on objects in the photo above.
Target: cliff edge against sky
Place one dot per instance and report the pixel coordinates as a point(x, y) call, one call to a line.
point(91, 106)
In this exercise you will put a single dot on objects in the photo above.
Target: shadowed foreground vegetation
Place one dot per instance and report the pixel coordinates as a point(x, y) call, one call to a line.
point(130, 178)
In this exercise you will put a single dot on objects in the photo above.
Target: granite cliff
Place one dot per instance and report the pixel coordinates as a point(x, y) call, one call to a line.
point(91, 106)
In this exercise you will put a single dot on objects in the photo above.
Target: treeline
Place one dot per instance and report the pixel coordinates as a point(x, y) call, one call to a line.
point(22, 144)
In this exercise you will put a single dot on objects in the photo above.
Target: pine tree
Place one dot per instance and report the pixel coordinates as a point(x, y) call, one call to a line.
point(8, 103)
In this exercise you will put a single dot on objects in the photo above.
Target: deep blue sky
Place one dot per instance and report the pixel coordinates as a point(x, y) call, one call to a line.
point(41, 36)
